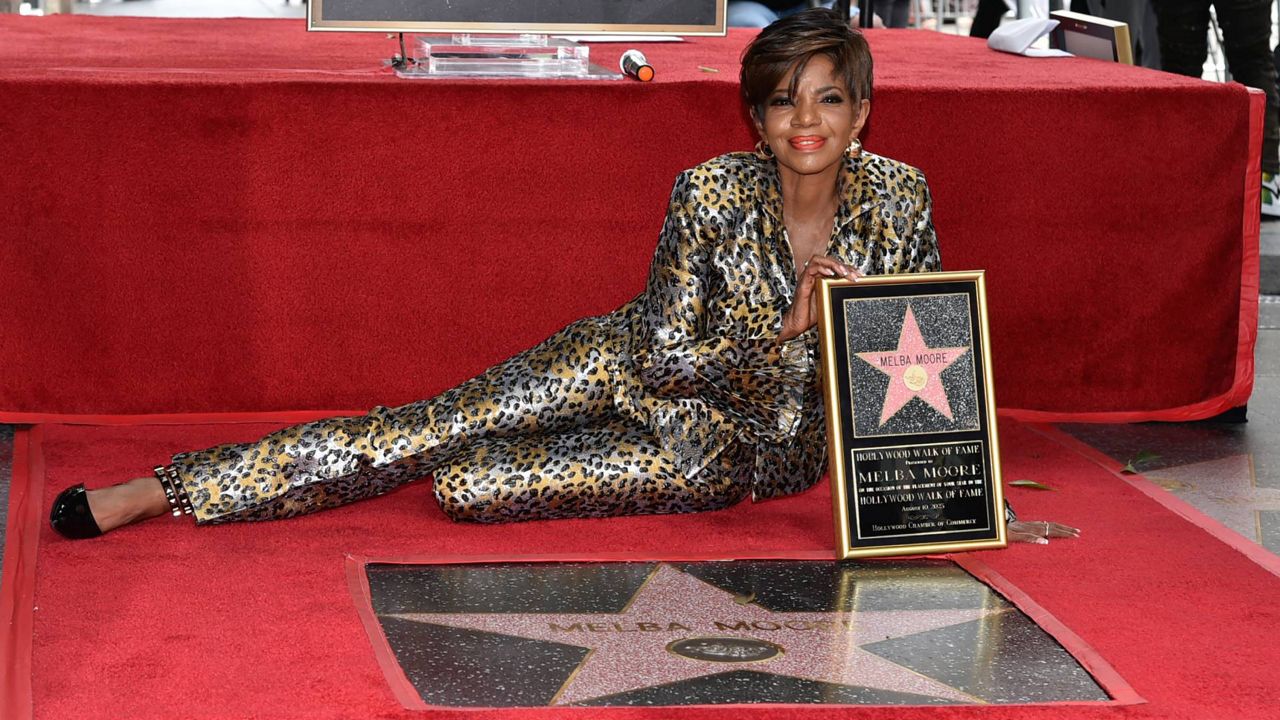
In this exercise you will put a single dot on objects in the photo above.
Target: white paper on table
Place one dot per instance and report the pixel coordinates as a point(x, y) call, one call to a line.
point(1018, 36)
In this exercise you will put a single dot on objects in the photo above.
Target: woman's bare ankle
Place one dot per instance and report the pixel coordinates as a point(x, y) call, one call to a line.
point(128, 502)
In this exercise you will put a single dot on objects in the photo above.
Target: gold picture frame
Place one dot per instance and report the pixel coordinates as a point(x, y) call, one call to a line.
point(913, 449)
point(1093, 37)
point(331, 19)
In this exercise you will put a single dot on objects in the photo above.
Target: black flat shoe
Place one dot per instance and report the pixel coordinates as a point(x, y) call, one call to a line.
point(71, 517)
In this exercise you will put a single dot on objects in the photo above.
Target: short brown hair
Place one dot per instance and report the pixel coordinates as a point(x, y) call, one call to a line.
point(791, 42)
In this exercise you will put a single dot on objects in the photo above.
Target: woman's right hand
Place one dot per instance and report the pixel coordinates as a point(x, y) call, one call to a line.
point(1039, 531)
point(803, 313)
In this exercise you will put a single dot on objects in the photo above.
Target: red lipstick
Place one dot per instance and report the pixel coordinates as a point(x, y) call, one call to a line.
point(807, 143)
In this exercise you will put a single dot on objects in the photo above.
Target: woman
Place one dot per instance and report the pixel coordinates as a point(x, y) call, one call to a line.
point(696, 394)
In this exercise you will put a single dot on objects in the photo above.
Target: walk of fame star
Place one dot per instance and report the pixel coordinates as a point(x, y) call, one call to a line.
point(914, 370)
point(631, 650)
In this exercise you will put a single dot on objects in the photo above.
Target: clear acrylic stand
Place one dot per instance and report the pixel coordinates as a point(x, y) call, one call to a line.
point(508, 56)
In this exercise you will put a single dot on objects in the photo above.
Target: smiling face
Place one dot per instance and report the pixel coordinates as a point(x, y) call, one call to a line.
point(808, 132)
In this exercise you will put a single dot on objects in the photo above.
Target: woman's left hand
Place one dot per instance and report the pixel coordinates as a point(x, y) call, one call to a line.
point(803, 313)
point(1039, 531)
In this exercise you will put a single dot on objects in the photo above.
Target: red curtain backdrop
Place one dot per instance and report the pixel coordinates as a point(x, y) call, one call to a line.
point(239, 216)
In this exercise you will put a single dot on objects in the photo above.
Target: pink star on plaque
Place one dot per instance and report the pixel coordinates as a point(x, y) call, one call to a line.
point(914, 370)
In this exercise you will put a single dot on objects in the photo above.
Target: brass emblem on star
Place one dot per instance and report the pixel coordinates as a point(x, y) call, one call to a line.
point(915, 378)
point(725, 649)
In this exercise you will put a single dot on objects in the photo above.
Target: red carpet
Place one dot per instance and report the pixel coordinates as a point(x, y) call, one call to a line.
point(189, 201)
point(163, 621)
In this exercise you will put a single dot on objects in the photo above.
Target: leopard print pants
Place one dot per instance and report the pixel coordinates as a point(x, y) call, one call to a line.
point(533, 437)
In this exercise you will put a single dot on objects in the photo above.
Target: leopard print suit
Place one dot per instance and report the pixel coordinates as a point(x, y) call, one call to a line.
point(679, 401)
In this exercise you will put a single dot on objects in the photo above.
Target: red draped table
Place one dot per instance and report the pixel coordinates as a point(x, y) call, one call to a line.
point(221, 216)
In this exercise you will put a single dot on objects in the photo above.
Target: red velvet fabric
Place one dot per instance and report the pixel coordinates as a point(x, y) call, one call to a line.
point(238, 216)
point(162, 620)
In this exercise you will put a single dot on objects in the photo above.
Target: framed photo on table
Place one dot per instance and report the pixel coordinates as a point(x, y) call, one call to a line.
point(913, 453)
point(559, 17)
point(1091, 37)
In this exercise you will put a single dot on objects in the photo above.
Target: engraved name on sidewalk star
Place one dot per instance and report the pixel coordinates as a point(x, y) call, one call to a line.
point(914, 370)
point(629, 649)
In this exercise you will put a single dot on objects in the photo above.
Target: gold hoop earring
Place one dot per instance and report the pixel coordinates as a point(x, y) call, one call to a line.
point(763, 151)
point(855, 148)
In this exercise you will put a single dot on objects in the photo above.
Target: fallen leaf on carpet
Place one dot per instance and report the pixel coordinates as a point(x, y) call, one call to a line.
point(1143, 457)
point(1030, 484)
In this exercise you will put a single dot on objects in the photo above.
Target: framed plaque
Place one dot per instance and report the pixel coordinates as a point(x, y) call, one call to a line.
point(573, 17)
point(911, 423)
point(1091, 37)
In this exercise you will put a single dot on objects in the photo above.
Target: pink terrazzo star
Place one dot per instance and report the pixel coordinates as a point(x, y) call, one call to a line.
point(629, 650)
point(914, 370)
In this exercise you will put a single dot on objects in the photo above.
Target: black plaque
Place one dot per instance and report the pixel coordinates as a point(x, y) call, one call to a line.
point(681, 17)
point(911, 430)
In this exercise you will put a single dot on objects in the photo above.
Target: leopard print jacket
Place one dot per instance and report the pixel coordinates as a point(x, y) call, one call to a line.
point(707, 368)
